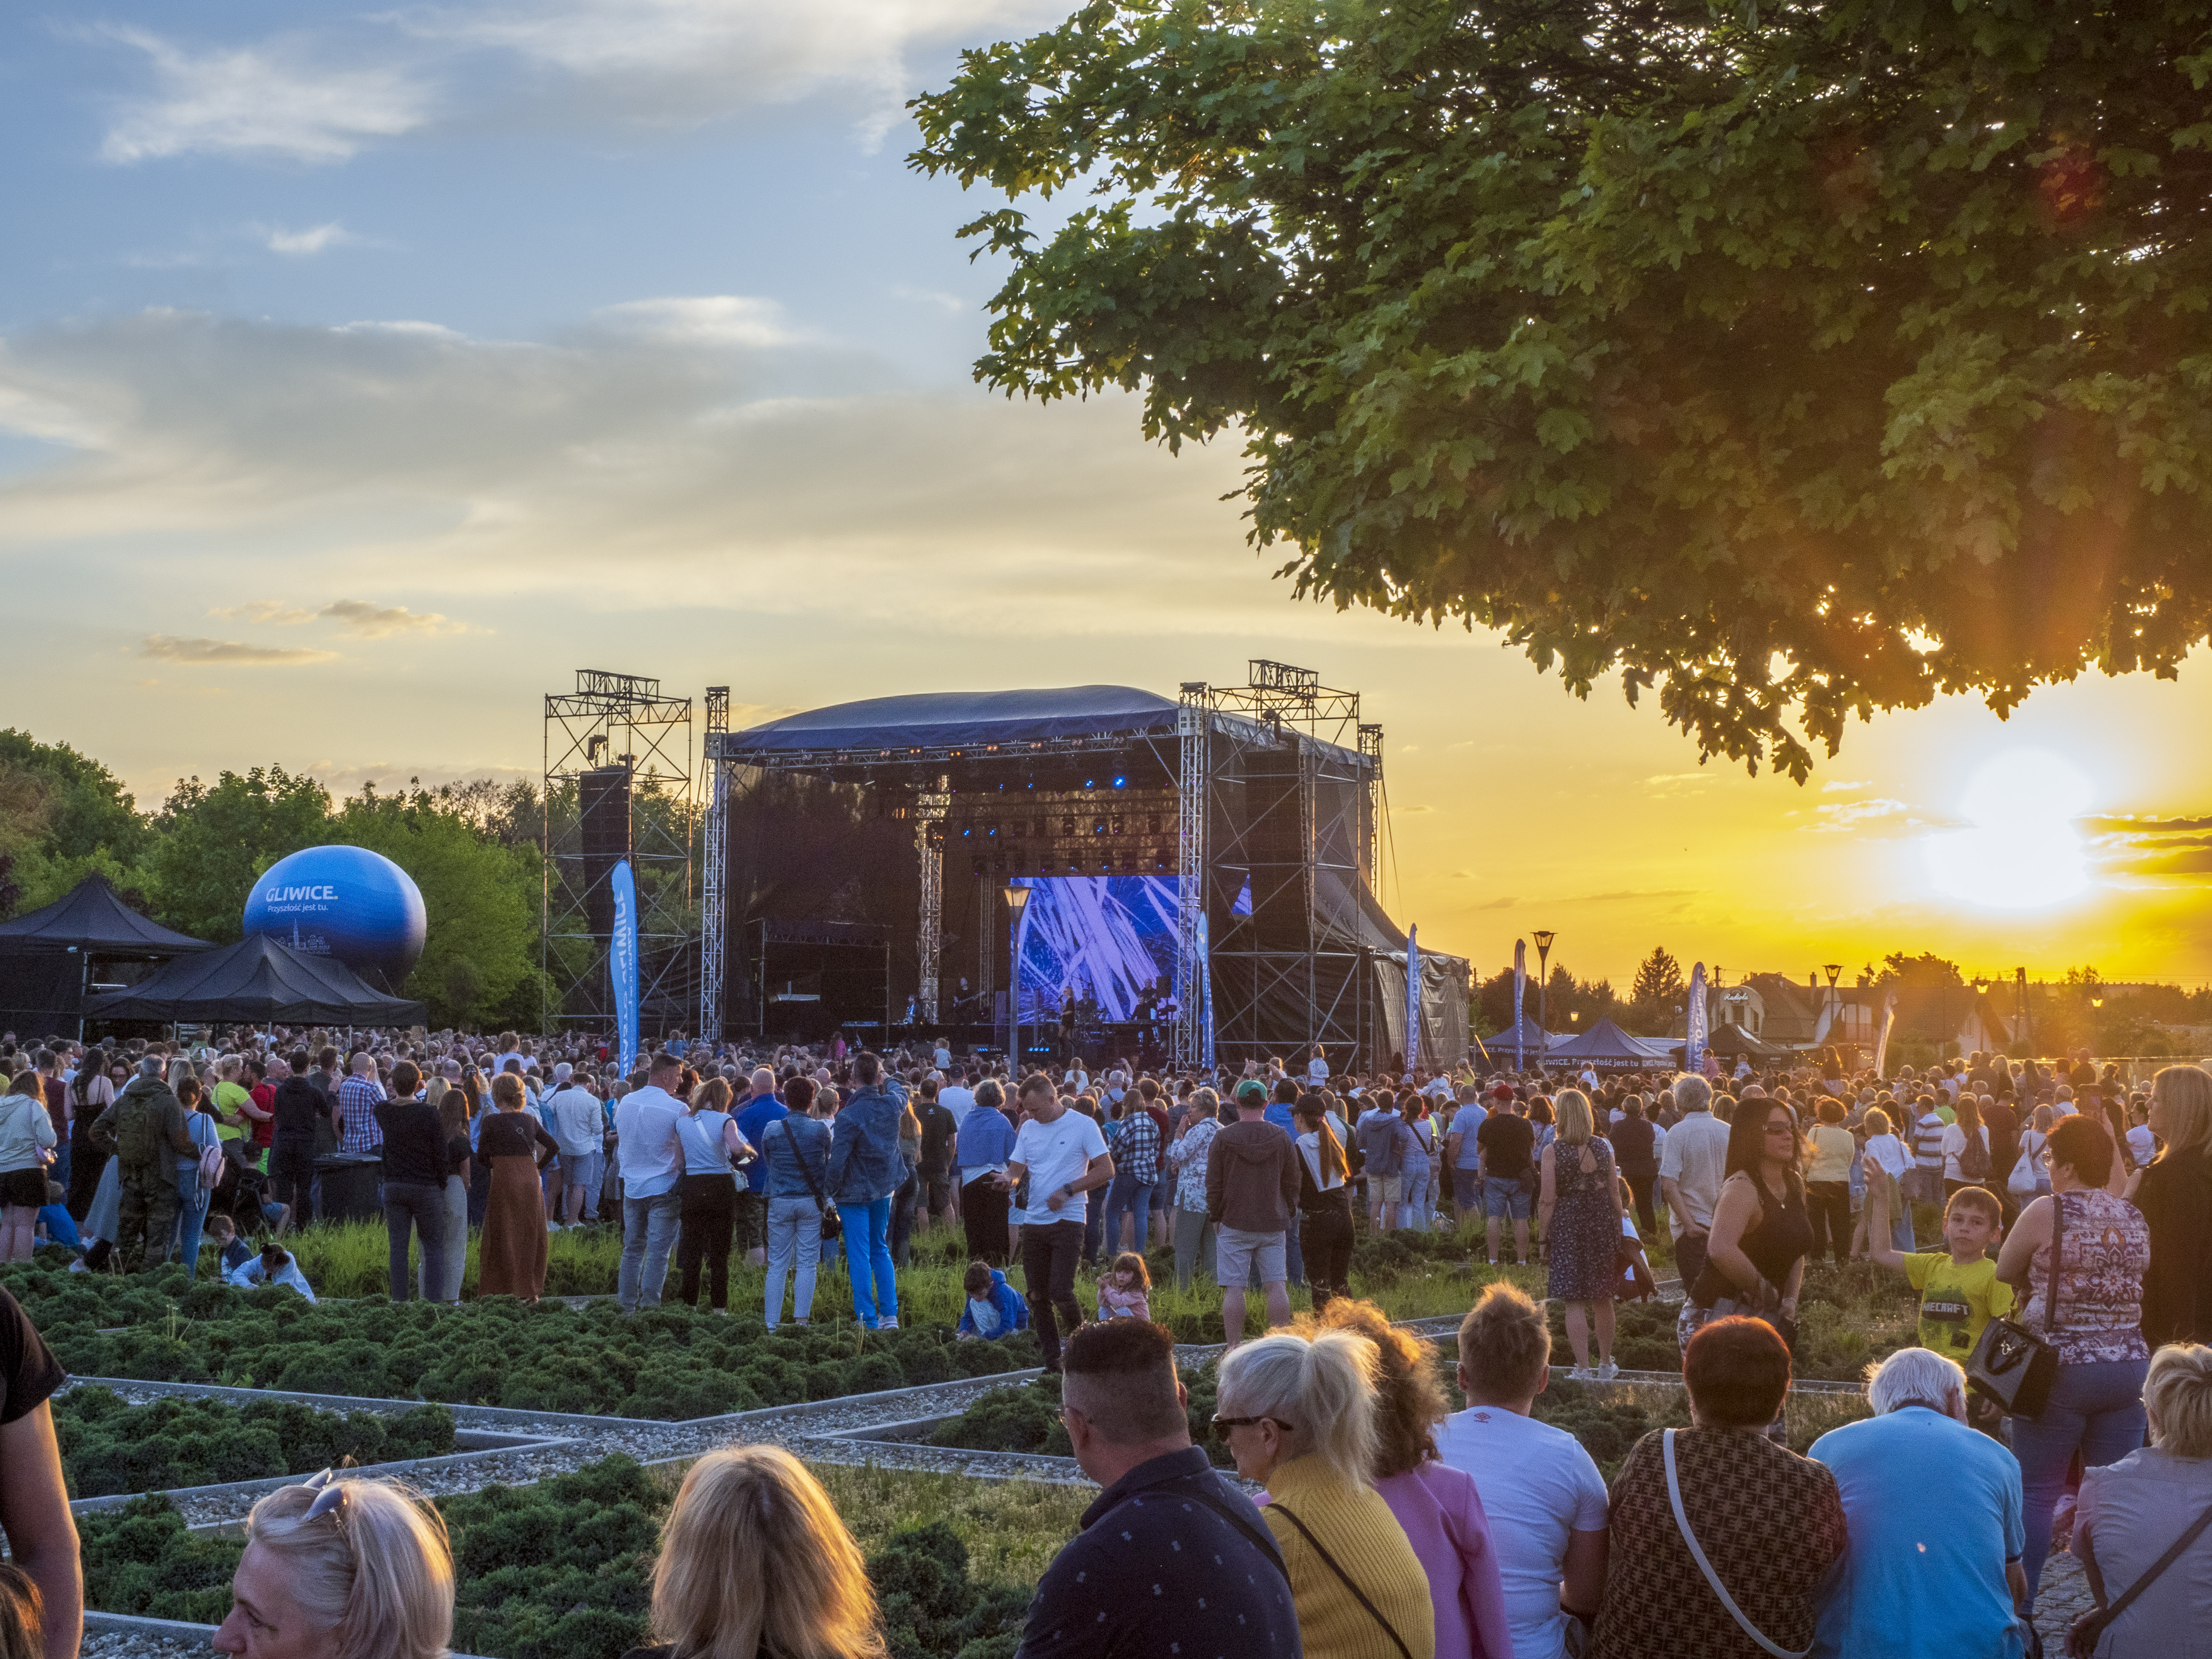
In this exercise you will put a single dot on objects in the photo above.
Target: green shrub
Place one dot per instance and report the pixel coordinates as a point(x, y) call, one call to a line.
point(108, 1447)
point(668, 1363)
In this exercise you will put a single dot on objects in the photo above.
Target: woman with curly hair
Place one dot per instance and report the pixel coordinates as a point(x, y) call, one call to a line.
point(1438, 1506)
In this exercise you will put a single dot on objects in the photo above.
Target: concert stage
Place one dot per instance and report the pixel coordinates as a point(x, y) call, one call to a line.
point(1220, 847)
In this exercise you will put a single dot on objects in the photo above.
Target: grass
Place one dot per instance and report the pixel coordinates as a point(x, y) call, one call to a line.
point(1012, 1528)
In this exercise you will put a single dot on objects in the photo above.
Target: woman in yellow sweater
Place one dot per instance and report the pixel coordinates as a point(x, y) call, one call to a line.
point(1298, 1414)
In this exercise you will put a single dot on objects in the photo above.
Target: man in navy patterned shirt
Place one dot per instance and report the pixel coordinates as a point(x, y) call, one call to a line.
point(1172, 1558)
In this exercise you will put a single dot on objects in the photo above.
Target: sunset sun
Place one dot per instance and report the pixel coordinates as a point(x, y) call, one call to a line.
point(2021, 851)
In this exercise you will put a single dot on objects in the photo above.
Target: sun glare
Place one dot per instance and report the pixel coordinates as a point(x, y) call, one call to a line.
point(2022, 852)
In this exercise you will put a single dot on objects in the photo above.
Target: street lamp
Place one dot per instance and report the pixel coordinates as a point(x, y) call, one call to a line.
point(2095, 1003)
point(1018, 903)
point(1543, 936)
point(1833, 971)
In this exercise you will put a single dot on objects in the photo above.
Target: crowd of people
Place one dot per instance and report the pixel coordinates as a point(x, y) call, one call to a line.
point(2068, 1202)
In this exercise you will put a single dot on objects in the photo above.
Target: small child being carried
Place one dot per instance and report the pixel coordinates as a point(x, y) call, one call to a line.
point(1125, 1289)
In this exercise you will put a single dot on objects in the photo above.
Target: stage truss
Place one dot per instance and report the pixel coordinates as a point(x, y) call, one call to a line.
point(1275, 783)
point(617, 732)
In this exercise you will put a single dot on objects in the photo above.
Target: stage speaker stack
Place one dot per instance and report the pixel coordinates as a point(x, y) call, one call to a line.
point(603, 805)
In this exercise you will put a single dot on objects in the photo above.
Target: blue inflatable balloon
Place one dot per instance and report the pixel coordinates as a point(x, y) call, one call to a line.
point(342, 901)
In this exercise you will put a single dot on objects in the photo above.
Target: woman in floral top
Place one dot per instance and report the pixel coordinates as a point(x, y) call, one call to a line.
point(2096, 1400)
point(1186, 1156)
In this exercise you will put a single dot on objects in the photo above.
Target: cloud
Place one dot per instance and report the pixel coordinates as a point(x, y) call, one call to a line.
point(267, 612)
point(379, 622)
point(1839, 816)
point(168, 648)
point(1838, 786)
point(713, 319)
point(274, 101)
point(1412, 808)
point(466, 472)
point(299, 242)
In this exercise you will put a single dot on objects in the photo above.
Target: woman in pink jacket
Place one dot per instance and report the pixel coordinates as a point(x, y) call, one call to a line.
point(1438, 1506)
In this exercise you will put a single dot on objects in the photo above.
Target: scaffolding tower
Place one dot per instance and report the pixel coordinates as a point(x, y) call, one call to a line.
point(617, 784)
point(714, 863)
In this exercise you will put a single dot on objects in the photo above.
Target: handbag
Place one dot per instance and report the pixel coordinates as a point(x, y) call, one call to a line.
point(2010, 1364)
point(2022, 1180)
point(1697, 1554)
point(833, 1224)
point(2083, 1638)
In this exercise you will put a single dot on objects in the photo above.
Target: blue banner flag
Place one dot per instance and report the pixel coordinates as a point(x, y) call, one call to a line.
point(622, 963)
point(1693, 1030)
point(1413, 997)
point(1520, 988)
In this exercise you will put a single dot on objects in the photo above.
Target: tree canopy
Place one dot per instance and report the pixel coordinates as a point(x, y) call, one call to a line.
point(1794, 360)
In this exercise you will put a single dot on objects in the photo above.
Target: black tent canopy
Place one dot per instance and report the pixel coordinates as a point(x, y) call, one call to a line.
point(45, 956)
point(256, 979)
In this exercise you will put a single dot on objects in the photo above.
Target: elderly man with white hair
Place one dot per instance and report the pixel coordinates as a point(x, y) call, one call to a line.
point(1933, 1511)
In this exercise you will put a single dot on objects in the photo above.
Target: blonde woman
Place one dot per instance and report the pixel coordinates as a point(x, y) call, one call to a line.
point(2177, 1298)
point(755, 1565)
point(1578, 1215)
point(341, 1570)
point(1298, 1414)
point(2133, 1511)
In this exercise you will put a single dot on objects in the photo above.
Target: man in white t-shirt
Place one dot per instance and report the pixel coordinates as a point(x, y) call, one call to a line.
point(1063, 1153)
point(1692, 1165)
point(1544, 1497)
point(956, 1097)
point(651, 1163)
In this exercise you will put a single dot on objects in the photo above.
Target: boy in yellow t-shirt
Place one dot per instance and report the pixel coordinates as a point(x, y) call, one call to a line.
point(1960, 1291)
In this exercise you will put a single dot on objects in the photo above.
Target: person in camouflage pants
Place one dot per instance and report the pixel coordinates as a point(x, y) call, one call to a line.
point(145, 1130)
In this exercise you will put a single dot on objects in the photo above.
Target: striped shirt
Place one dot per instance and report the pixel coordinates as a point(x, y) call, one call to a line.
point(358, 1099)
point(1927, 1142)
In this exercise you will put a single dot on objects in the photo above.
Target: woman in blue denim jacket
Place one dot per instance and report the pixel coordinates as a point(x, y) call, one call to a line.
point(864, 1171)
point(795, 1148)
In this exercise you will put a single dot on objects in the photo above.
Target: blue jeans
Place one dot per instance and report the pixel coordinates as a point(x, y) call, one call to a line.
point(868, 1259)
point(1129, 1194)
point(2096, 1410)
point(1417, 1209)
point(1507, 1200)
point(191, 1219)
point(648, 1235)
point(1466, 1196)
point(794, 1235)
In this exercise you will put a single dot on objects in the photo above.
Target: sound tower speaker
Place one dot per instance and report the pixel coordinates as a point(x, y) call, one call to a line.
point(1275, 849)
point(603, 809)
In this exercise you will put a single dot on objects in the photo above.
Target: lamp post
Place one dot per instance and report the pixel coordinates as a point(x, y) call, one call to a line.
point(1833, 971)
point(1018, 903)
point(2095, 1003)
point(1981, 983)
point(1543, 936)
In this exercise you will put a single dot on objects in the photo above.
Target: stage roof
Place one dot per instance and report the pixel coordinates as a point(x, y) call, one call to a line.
point(936, 719)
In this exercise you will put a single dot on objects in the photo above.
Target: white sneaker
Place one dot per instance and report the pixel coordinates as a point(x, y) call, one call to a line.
point(1582, 1374)
point(1607, 1371)
point(890, 1324)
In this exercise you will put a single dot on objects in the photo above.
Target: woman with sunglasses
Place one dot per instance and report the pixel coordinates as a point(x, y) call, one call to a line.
point(1761, 1233)
point(1298, 1412)
point(351, 1570)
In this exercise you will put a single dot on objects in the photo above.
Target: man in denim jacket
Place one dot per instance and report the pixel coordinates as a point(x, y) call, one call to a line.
point(864, 1171)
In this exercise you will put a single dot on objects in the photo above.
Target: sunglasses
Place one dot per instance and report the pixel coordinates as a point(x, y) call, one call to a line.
point(1221, 1424)
point(330, 1498)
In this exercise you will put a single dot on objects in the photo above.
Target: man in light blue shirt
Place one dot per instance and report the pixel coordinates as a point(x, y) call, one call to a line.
point(652, 1160)
point(1934, 1513)
point(1463, 1156)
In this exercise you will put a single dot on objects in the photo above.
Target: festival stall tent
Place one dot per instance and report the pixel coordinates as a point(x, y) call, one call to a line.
point(49, 958)
point(260, 980)
point(1534, 1040)
point(1605, 1047)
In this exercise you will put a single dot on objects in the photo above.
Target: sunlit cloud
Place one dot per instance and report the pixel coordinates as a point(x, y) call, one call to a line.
point(168, 648)
point(298, 243)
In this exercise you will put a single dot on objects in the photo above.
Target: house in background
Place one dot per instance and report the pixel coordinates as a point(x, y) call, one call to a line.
point(1808, 1014)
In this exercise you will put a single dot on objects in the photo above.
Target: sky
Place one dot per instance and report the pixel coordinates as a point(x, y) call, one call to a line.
point(363, 374)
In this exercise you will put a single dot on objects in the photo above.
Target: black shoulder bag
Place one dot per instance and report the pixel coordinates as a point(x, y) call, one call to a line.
point(833, 1224)
point(2010, 1364)
point(2082, 1640)
point(1358, 1595)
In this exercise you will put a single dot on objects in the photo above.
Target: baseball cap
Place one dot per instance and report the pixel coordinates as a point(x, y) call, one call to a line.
point(1502, 1091)
point(1251, 1092)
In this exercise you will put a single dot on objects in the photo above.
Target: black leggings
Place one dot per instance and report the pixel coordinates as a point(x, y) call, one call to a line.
point(983, 1215)
point(708, 1220)
point(1639, 1189)
point(1325, 1241)
point(292, 1177)
point(1828, 1207)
